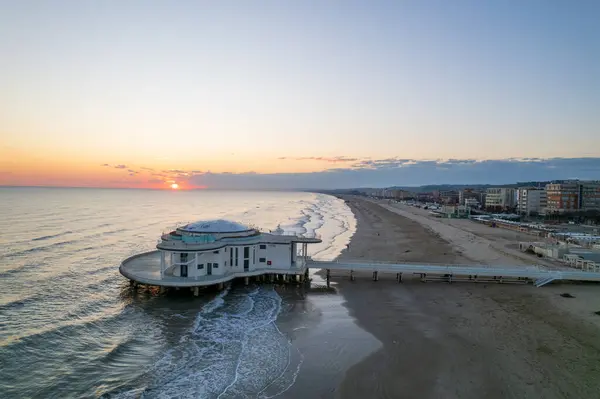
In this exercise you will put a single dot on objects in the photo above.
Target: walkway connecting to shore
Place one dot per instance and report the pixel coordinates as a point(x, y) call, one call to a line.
point(145, 269)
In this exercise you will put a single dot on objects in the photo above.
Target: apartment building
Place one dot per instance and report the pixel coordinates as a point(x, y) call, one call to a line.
point(531, 200)
point(500, 198)
point(590, 196)
point(448, 196)
point(471, 196)
point(573, 196)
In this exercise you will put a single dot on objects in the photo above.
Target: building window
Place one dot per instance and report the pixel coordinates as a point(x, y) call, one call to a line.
point(215, 265)
point(246, 252)
point(231, 256)
point(236, 256)
point(183, 257)
point(262, 260)
point(201, 266)
point(263, 246)
point(215, 252)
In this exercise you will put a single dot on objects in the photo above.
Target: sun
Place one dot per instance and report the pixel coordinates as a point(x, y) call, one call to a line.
point(174, 186)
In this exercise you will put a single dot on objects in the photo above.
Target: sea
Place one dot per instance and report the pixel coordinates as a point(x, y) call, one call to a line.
point(71, 326)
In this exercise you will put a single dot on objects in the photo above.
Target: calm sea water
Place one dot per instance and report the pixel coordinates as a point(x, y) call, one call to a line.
point(70, 325)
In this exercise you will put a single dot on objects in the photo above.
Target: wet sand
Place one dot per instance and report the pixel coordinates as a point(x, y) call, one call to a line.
point(462, 340)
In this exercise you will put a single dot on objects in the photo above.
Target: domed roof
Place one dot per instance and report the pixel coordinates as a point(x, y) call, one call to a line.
point(214, 226)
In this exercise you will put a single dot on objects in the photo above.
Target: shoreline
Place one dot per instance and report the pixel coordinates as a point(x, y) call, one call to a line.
point(462, 340)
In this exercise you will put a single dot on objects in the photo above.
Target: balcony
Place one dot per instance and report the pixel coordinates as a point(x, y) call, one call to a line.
point(184, 263)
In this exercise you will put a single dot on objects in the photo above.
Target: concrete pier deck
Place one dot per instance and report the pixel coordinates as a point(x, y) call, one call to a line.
point(145, 269)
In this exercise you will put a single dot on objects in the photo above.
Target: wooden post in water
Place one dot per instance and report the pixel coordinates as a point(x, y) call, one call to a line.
point(196, 291)
point(399, 277)
point(375, 276)
point(246, 280)
point(328, 277)
point(351, 275)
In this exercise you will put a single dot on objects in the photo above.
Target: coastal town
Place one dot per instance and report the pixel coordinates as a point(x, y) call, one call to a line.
point(557, 221)
point(561, 200)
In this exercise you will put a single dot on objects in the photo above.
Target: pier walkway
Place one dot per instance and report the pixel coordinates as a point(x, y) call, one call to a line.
point(145, 269)
point(540, 276)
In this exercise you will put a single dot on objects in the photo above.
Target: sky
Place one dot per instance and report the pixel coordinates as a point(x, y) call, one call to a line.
point(298, 94)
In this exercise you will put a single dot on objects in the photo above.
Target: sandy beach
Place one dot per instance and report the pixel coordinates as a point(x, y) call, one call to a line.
point(463, 340)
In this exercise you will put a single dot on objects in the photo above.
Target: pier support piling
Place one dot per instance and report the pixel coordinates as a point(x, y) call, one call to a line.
point(196, 291)
point(271, 278)
point(375, 276)
point(220, 286)
point(399, 277)
point(162, 290)
point(285, 278)
point(352, 275)
point(246, 280)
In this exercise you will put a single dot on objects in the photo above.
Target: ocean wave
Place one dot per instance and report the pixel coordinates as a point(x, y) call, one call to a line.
point(17, 303)
point(233, 350)
point(51, 236)
point(39, 249)
point(68, 327)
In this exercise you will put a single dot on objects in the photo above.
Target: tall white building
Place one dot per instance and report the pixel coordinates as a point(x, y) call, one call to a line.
point(531, 200)
point(500, 198)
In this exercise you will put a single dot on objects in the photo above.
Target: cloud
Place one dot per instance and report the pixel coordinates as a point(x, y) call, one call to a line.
point(385, 163)
point(115, 166)
point(145, 168)
point(133, 171)
point(402, 172)
point(323, 159)
point(155, 181)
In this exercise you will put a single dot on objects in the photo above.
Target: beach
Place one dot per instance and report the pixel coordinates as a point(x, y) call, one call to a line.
point(462, 340)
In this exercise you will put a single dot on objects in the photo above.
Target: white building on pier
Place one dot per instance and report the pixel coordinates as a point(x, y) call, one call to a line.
point(215, 251)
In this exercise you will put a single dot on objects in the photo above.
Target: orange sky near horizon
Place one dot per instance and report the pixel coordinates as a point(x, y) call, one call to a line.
point(53, 168)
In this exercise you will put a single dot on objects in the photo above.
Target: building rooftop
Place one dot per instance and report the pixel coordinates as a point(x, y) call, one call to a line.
point(214, 226)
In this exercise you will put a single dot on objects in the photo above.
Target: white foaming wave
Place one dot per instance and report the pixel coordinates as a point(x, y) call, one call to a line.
point(336, 230)
point(327, 216)
point(234, 350)
point(216, 302)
